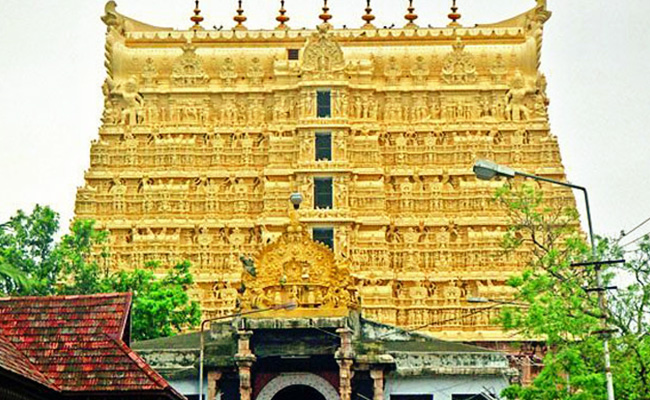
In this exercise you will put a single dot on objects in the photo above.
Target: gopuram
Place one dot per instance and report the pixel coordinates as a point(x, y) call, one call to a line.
point(207, 133)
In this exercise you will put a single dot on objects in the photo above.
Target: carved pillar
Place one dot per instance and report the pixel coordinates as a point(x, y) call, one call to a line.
point(526, 370)
point(377, 376)
point(345, 359)
point(245, 359)
point(213, 379)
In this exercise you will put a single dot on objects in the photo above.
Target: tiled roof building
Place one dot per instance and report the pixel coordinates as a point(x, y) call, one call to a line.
point(66, 347)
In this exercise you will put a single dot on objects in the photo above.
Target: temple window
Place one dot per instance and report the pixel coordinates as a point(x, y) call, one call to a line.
point(323, 146)
point(324, 103)
point(468, 397)
point(411, 397)
point(324, 236)
point(322, 193)
point(293, 54)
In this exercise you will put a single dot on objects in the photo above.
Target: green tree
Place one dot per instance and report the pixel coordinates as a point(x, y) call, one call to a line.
point(564, 315)
point(26, 247)
point(32, 262)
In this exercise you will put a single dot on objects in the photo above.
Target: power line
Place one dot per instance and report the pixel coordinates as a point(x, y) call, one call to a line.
point(635, 240)
point(477, 311)
point(634, 229)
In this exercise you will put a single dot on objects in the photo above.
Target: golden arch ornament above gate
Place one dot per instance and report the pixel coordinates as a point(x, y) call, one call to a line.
point(296, 269)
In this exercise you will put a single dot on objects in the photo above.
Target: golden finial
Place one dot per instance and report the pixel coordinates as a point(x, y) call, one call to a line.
point(282, 19)
point(368, 17)
point(240, 18)
point(325, 16)
point(454, 16)
point(197, 18)
point(411, 16)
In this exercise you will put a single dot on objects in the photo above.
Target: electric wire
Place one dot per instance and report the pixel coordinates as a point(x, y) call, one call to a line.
point(634, 229)
point(635, 240)
point(417, 328)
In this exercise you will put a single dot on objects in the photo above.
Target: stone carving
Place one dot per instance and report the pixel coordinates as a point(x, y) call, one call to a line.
point(132, 102)
point(420, 71)
point(322, 56)
point(296, 269)
point(498, 70)
point(255, 73)
point(459, 67)
point(228, 74)
point(517, 109)
point(200, 170)
point(188, 69)
point(149, 73)
point(393, 71)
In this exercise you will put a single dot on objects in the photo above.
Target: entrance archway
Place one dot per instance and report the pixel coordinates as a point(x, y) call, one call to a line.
point(309, 383)
point(301, 392)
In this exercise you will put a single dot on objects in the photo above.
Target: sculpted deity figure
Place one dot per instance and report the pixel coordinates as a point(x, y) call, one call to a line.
point(149, 73)
point(132, 102)
point(420, 71)
point(341, 186)
point(516, 109)
point(255, 72)
point(322, 55)
point(392, 72)
point(228, 73)
point(498, 69)
point(452, 293)
point(459, 67)
point(341, 104)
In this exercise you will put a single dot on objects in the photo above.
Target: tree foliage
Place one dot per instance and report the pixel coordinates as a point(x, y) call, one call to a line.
point(561, 313)
point(33, 262)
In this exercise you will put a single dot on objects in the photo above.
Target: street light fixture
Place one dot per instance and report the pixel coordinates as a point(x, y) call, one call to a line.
point(487, 170)
point(296, 200)
point(286, 306)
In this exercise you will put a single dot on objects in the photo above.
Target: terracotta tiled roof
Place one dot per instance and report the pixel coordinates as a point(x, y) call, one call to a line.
point(14, 361)
point(75, 343)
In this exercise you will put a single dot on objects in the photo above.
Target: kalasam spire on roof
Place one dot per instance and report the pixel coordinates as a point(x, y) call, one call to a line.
point(282, 18)
point(411, 16)
point(240, 18)
point(197, 18)
point(368, 17)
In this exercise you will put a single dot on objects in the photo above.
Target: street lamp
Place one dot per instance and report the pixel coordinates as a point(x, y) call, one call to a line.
point(296, 200)
point(487, 170)
point(286, 306)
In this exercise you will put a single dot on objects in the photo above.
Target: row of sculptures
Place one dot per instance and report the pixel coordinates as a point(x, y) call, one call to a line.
point(432, 195)
point(457, 67)
point(126, 105)
point(258, 150)
point(409, 304)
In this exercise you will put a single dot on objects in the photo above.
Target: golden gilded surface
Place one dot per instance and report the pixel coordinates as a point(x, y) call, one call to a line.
point(206, 133)
point(295, 269)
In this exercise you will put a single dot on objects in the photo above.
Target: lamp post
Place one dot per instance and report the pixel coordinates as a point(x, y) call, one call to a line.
point(487, 170)
point(286, 306)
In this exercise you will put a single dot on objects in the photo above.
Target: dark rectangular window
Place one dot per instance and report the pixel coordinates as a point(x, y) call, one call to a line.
point(325, 236)
point(468, 397)
point(294, 54)
point(323, 146)
point(324, 102)
point(322, 193)
point(411, 397)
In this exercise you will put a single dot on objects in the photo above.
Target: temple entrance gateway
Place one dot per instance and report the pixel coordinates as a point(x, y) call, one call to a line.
point(298, 386)
point(298, 392)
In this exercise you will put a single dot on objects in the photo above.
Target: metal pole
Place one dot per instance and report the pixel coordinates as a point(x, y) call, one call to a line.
point(599, 279)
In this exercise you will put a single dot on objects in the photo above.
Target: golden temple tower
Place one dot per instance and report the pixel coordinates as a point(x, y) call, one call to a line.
point(206, 133)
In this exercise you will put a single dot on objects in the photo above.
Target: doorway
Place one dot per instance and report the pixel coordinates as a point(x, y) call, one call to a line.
point(299, 392)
